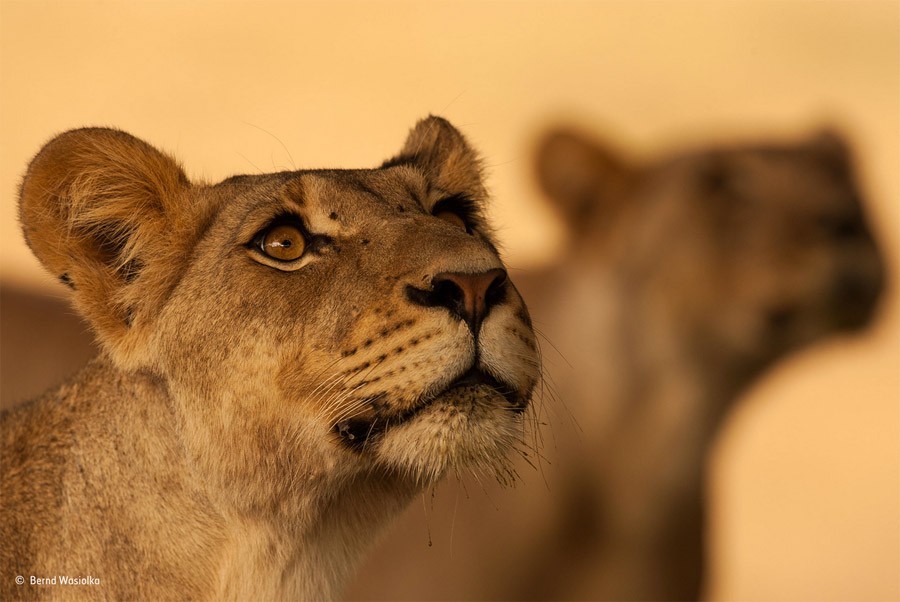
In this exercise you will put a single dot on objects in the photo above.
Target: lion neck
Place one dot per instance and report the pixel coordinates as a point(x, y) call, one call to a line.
point(292, 516)
point(671, 391)
point(311, 559)
point(664, 396)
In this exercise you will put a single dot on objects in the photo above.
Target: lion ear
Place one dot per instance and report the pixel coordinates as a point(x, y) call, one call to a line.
point(832, 149)
point(106, 214)
point(441, 151)
point(582, 177)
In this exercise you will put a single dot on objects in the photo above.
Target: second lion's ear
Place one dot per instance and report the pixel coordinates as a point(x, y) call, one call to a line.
point(581, 176)
point(832, 148)
point(108, 215)
point(441, 151)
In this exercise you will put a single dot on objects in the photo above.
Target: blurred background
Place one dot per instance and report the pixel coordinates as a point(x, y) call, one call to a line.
point(806, 474)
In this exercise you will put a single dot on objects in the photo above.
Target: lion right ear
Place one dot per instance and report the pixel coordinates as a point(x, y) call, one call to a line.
point(106, 213)
point(442, 152)
point(581, 176)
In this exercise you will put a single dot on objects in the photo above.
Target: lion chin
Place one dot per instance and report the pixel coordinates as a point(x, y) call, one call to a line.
point(470, 423)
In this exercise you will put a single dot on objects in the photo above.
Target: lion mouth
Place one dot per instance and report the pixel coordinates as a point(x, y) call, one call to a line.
point(356, 433)
point(474, 377)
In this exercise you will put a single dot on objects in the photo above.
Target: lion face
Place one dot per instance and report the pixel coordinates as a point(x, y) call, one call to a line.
point(382, 313)
point(305, 322)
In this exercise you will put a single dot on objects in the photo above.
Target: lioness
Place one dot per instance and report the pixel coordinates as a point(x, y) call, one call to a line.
point(287, 359)
point(686, 278)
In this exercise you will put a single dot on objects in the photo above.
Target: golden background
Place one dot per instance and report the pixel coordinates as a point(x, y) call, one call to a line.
point(806, 478)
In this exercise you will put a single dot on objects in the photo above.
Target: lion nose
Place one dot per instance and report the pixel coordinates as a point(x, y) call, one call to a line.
point(468, 296)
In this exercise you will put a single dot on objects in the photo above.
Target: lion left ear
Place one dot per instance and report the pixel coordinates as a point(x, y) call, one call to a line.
point(111, 217)
point(441, 151)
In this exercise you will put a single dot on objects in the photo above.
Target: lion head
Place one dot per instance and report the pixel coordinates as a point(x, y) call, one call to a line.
point(306, 324)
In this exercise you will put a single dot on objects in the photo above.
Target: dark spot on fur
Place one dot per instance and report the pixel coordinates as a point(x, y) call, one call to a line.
point(131, 270)
point(320, 244)
point(332, 215)
point(110, 242)
point(348, 353)
point(715, 180)
point(401, 209)
point(361, 184)
point(841, 227)
point(522, 315)
point(368, 343)
point(364, 241)
point(529, 342)
point(378, 403)
point(358, 369)
point(715, 175)
point(413, 193)
point(780, 318)
point(67, 280)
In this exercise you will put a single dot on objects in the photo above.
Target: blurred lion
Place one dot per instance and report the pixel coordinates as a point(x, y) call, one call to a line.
point(686, 278)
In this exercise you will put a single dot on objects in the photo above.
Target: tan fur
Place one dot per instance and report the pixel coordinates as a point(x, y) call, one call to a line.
point(686, 278)
point(250, 426)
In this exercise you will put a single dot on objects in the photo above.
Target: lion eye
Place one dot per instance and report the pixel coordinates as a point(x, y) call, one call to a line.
point(452, 218)
point(283, 242)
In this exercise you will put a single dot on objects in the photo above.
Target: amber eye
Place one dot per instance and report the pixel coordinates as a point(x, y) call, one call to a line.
point(452, 218)
point(283, 242)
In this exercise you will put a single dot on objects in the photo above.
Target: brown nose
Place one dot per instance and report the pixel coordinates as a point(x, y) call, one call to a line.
point(468, 296)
